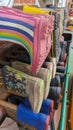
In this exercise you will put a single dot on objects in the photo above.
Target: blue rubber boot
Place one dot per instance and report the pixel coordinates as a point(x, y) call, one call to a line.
point(37, 120)
point(47, 106)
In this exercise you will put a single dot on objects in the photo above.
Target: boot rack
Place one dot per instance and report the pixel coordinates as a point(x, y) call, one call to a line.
point(64, 101)
point(11, 108)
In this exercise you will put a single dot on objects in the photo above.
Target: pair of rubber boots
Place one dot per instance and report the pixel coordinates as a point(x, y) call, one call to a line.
point(41, 120)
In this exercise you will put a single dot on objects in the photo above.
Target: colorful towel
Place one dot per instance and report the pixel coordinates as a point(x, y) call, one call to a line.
point(24, 85)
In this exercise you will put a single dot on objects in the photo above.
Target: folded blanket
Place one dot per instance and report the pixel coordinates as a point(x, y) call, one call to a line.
point(24, 85)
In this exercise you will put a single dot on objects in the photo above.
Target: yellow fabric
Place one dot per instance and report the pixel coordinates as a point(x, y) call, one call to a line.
point(35, 10)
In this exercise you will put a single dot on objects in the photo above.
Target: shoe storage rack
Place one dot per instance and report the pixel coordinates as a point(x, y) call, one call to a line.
point(11, 109)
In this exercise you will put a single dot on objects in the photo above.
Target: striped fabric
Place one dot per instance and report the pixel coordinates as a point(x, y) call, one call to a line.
point(29, 31)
